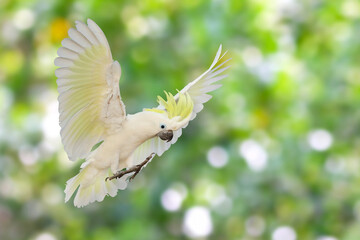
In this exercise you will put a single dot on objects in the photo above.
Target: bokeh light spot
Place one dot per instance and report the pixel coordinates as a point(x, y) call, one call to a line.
point(9, 32)
point(254, 154)
point(217, 157)
point(326, 238)
point(284, 233)
point(137, 27)
point(171, 200)
point(24, 19)
point(58, 29)
point(320, 139)
point(350, 9)
point(255, 226)
point(45, 236)
point(197, 222)
point(11, 62)
point(252, 57)
point(28, 155)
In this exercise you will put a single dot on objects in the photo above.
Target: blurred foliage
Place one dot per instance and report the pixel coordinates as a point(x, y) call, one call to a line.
point(286, 119)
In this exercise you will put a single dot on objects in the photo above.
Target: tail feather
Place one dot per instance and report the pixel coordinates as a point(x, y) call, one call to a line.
point(72, 184)
point(92, 186)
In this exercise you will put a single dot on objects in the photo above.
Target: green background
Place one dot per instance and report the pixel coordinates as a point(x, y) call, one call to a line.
point(286, 120)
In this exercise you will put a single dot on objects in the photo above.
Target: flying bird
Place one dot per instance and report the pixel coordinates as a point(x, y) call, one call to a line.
point(92, 115)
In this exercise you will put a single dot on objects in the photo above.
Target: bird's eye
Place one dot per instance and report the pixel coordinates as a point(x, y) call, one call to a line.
point(162, 126)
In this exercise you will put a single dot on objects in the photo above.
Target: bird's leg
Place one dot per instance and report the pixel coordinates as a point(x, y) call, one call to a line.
point(135, 169)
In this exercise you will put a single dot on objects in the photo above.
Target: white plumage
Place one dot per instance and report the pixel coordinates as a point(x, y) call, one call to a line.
point(91, 110)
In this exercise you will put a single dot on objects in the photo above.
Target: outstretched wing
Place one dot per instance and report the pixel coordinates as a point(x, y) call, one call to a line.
point(88, 83)
point(198, 91)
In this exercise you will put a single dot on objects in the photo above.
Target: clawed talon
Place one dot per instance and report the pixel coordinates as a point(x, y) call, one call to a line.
point(119, 174)
point(135, 169)
point(138, 167)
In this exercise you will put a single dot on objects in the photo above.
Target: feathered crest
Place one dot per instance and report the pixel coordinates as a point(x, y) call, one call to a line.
point(182, 107)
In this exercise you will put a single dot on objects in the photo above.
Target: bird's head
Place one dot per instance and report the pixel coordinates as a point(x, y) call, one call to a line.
point(172, 114)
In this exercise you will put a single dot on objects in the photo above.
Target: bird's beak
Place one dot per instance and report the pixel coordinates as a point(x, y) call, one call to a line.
point(166, 135)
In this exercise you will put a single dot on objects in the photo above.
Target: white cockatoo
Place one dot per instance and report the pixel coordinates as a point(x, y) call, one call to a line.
point(92, 113)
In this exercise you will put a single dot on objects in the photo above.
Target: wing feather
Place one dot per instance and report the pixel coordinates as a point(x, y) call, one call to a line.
point(67, 53)
point(63, 62)
point(84, 30)
point(72, 45)
point(99, 34)
point(79, 38)
point(86, 79)
point(197, 90)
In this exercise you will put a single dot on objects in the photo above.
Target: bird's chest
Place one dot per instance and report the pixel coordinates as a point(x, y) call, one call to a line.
point(116, 149)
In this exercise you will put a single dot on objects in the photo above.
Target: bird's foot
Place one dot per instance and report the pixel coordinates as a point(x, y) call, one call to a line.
point(119, 174)
point(138, 167)
point(135, 169)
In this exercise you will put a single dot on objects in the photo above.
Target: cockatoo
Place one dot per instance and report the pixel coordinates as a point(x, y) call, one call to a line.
point(92, 113)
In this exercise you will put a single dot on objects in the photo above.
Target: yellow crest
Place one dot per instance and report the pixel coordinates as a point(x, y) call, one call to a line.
point(181, 107)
